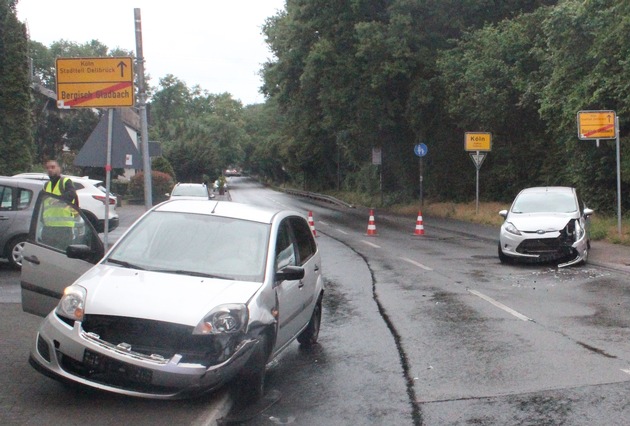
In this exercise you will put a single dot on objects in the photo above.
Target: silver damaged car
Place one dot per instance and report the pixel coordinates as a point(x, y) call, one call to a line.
point(197, 293)
point(545, 224)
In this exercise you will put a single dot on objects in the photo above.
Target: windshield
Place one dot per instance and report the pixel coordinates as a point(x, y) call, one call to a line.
point(194, 244)
point(191, 191)
point(545, 202)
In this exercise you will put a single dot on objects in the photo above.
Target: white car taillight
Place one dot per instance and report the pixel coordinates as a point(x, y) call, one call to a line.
point(101, 198)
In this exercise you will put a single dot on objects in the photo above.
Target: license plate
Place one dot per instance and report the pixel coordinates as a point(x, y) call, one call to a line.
point(98, 363)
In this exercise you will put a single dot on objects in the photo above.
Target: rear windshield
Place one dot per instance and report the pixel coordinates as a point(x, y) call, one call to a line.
point(190, 191)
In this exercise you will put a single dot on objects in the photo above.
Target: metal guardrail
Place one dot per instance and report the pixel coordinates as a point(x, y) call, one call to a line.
point(316, 196)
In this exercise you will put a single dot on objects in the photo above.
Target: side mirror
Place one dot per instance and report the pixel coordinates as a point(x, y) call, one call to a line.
point(588, 212)
point(503, 213)
point(290, 273)
point(79, 251)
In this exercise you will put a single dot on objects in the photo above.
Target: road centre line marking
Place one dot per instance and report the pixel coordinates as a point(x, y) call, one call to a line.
point(500, 305)
point(370, 244)
point(343, 232)
point(322, 222)
point(626, 370)
point(419, 265)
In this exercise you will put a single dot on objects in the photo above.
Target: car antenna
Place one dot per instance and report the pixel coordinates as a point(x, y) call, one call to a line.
point(215, 207)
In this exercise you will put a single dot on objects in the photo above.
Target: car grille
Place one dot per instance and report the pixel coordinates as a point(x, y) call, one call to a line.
point(164, 339)
point(545, 247)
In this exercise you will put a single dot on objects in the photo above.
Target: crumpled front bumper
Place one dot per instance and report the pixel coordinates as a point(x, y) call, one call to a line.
point(578, 250)
point(69, 354)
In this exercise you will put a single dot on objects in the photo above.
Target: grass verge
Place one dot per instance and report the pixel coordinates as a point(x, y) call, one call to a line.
point(603, 228)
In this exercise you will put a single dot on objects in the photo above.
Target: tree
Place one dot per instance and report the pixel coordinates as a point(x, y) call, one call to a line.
point(16, 140)
point(202, 133)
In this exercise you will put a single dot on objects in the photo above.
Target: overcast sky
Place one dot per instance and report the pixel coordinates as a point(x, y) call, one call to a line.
point(216, 44)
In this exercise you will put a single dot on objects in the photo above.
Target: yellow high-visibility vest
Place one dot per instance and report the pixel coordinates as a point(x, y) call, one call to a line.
point(55, 215)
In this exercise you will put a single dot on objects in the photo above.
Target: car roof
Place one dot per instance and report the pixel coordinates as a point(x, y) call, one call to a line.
point(44, 176)
point(222, 208)
point(22, 182)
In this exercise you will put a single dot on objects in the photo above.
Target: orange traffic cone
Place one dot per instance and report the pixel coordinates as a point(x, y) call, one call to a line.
point(419, 227)
point(311, 223)
point(371, 229)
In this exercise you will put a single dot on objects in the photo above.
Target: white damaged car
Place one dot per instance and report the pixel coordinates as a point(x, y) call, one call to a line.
point(546, 224)
point(197, 293)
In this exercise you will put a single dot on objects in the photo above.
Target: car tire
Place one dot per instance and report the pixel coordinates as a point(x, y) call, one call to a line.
point(15, 251)
point(503, 257)
point(309, 336)
point(249, 385)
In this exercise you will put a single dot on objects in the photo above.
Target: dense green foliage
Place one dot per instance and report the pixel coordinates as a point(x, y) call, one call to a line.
point(352, 75)
point(356, 74)
point(201, 133)
point(16, 139)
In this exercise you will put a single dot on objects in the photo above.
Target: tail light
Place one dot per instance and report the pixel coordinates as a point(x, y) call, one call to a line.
point(101, 198)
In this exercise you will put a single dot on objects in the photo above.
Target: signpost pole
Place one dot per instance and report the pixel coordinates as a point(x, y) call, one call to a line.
point(108, 173)
point(420, 165)
point(618, 176)
point(142, 107)
point(477, 186)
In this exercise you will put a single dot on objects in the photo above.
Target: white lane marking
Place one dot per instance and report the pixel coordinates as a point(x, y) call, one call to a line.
point(322, 222)
point(500, 305)
point(626, 370)
point(370, 244)
point(343, 232)
point(419, 265)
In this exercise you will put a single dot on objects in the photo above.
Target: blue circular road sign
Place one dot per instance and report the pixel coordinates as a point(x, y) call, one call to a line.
point(420, 150)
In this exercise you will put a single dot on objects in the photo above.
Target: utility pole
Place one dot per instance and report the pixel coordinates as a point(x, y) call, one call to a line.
point(142, 107)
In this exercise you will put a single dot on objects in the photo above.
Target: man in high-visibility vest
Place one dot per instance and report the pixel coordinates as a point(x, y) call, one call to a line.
point(59, 219)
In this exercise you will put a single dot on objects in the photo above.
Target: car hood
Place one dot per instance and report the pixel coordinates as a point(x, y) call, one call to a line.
point(180, 299)
point(532, 222)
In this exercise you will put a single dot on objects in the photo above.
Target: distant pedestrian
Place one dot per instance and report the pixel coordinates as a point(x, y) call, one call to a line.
point(59, 219)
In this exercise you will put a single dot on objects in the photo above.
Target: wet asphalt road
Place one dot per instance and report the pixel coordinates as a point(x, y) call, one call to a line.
point(416, 330)
point(478, 342)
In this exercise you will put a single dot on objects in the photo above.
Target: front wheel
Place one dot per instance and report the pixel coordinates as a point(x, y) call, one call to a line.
point(309, 336)
point(250, 383)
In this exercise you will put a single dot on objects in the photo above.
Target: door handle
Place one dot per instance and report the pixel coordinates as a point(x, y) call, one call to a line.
point(32, 259)
point(301, 284)
point(316, 269)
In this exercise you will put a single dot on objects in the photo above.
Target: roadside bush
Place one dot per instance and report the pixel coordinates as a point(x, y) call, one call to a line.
point(161, 164)
point(161, 184)
point(120, 187)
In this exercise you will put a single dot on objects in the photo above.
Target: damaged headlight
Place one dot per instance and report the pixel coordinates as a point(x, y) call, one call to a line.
point(224, 319)
point(72, 304)
point(509, 227)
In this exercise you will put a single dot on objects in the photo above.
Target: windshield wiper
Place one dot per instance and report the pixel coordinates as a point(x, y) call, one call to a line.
point(192, 273)
point(125, 264)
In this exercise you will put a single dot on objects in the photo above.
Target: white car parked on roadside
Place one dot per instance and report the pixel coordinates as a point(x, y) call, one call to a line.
point(91, 193)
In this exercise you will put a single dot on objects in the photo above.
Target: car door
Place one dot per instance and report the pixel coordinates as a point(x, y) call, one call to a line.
point(288, 292)
point(308, 258)
point(46, 268)
point(7, 212)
